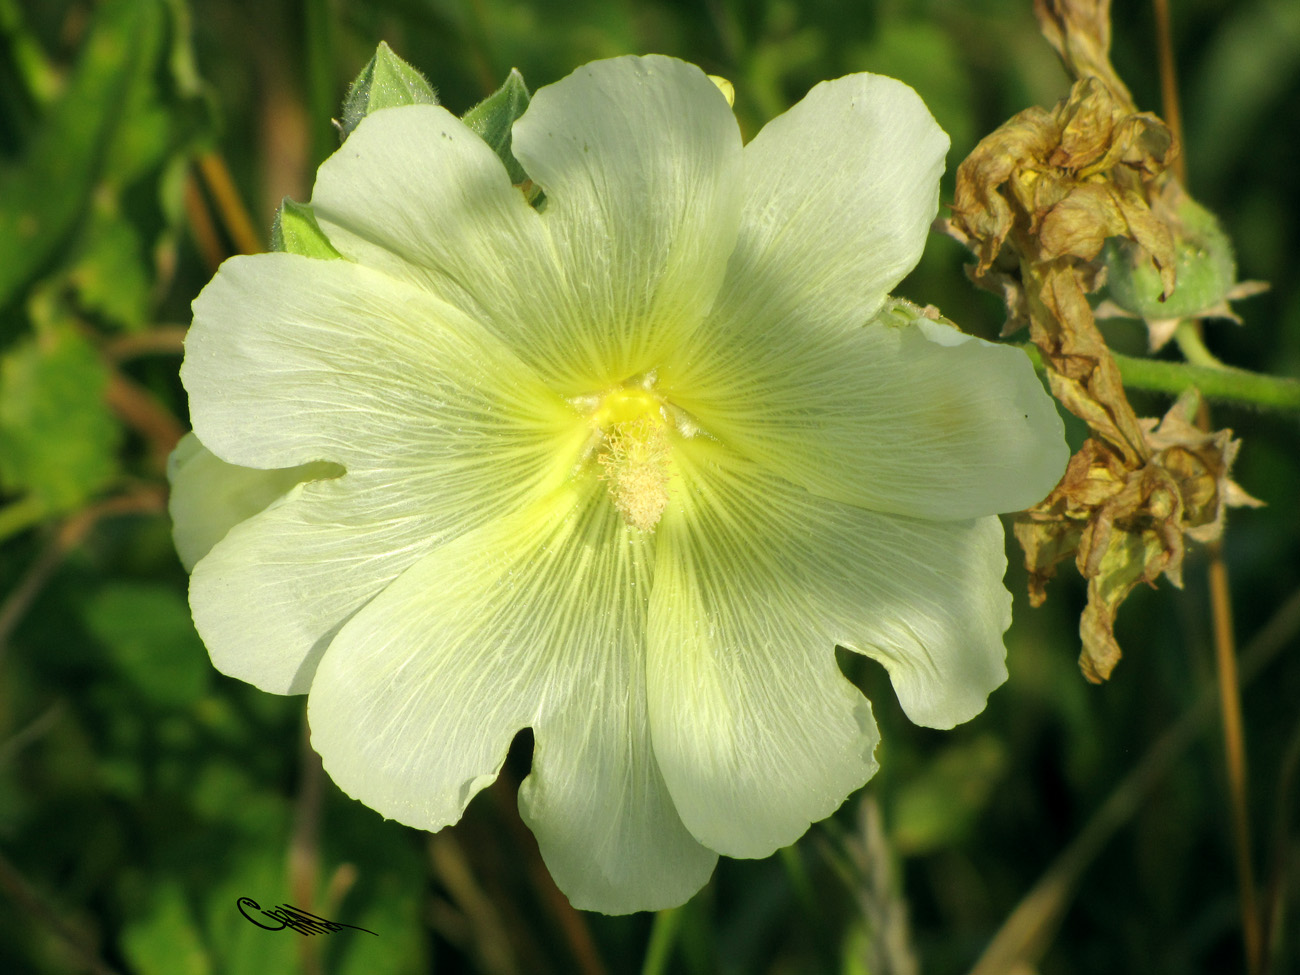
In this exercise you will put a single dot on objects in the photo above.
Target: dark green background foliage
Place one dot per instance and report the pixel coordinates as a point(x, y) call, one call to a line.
point(141, 792)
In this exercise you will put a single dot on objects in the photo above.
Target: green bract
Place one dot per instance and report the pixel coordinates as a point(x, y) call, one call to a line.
point(385, 82)
point(624, 470)
point(1206, 269)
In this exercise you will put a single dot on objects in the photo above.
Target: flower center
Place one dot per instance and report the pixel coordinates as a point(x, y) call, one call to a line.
point(633, 453)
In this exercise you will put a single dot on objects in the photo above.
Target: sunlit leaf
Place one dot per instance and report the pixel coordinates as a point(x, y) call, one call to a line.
point(58, 440)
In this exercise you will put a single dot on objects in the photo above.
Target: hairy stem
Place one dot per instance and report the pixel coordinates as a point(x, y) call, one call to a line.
point(1228, 385)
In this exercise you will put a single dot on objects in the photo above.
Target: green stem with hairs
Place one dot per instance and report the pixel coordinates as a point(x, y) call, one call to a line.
point(1227, 385)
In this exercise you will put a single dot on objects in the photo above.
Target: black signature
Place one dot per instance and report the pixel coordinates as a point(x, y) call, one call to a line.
point(295, 918)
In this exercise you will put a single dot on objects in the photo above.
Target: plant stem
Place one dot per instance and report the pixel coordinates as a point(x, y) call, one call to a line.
point(230, 207)
point(1187, 336)
point(663, 938)
point(1026, 934)
point(1234, 744)
point(1228, 385)
point(1169, 84)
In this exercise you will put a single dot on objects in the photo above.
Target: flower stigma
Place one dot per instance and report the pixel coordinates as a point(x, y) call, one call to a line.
point(631, 425)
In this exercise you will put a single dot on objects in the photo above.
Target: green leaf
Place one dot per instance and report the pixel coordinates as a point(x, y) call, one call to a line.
point(58, 440)
point(939, 807)
point(166, 940)
point(493, 117)
point(45, 195)
point(148, 630)
point(110, 271)
point(386, 82)
point(296, 231)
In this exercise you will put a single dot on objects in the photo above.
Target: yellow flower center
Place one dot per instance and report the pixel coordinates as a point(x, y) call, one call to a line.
point(634, 455)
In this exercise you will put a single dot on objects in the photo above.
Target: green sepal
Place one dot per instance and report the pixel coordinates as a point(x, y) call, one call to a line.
point(386, 82)
point(295, 231)
point(1206, 269)
point(493, 117)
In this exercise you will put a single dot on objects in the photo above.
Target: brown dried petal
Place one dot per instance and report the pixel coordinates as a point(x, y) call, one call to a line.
point(1129, 524)
point(1080, 32)
point(1080, 223)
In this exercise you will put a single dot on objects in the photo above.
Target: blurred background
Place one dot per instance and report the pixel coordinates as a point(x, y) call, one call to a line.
point(142, 793)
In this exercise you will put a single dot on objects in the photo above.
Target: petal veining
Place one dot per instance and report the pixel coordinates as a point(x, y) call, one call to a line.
point(904, 415)
point(640, 159)
point(756, 582)
point(415, 193)
point(839, 195)
point(756, 730)
point(292, 360)
point(537, 621)
point(209, 497)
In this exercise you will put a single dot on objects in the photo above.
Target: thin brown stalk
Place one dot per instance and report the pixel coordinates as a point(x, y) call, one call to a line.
point(202, 227)
point(1027, 932)
point(32, 732)
point(304, 845)
point(1234, 742)
point(1225, 652)
point(140, 410)
point(1173, 115)
point(1234, 738)
point(1275, 894)
point(230, 206)
point(159, 340)
point(30, 900)
point(479, 928)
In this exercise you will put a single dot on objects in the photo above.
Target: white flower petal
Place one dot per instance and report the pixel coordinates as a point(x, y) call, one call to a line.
point(415, 193)
point(292, 360)
point(441, 429)
point(840, 192)
point(271, 595)
point(537, 620)
point(756, 730)
point(756, 581)
point(640, 159)
point(904, 415)
point(209, 496)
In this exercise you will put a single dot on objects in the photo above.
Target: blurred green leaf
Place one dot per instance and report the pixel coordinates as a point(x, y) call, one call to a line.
point(255, 869)
point(385, 82)
point(938, 807)
point(390, 908)
point(1244, 82)
point(166, 940)
point(58, 439)
point(43, 197)
point(110, 272)
point(493, 117)
point(147, 629)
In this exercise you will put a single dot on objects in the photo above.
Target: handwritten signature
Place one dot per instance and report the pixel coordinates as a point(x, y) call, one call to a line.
point(294, 918)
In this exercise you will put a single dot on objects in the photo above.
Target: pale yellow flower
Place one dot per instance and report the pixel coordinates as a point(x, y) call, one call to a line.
point(623, 470)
